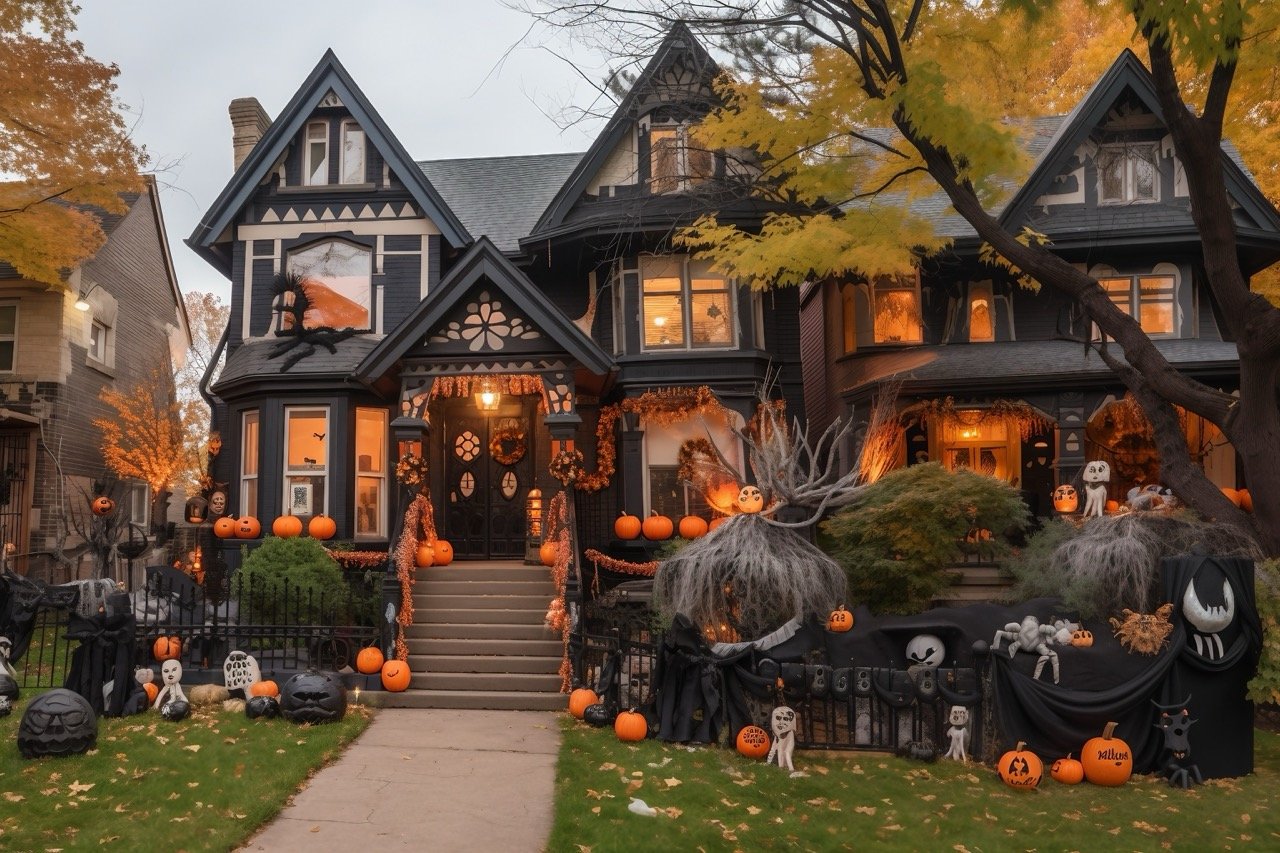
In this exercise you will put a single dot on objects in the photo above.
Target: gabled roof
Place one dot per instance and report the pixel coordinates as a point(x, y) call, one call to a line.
point(107, 221)
point(328, 75)
point(484, 262)
point(1126, 73)
point(679, 42)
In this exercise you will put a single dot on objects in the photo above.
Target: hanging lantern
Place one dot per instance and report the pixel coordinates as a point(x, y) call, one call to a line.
point(197, 511)
point(487, 396)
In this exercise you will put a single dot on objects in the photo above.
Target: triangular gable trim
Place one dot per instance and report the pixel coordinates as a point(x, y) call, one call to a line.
point(1126, 72)
point(328, 78)
point(678, 39)
point(484, 261)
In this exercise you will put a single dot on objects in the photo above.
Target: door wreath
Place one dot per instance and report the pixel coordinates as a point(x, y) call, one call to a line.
point(511, 436)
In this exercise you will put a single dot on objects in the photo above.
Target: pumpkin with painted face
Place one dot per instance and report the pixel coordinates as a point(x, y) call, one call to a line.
point(1067, 770)
point(313, 697)
point(60, 722)
point(103, 505)
point(1082, 639)
point(750, 499)
point(840, 620)
point(752, 742)
point(1065, 498)
point(248, 527)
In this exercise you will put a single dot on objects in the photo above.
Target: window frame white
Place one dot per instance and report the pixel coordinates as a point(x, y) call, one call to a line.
point(380, 529)
point(247, 478)
point(347, 126)
point(139, 496)
point(1135, 301)
point(324, 471)
point(11, 337)
point(686, 296)
point(1128, 152)
point(308, 166)
point(98, 349)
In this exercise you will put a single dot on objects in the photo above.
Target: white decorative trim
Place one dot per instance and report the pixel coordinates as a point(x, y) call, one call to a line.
point(288, 231)
point(290, 215)
point(330, 99)
point(309, 216)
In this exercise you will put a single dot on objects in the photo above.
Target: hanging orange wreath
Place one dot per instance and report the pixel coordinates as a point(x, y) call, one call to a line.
point(512, 436)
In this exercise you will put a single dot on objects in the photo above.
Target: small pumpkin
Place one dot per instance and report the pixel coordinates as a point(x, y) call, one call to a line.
point(396, 676)
point(753, 742)
point(1246, 500)
point(548, 552)
point(1231, 495)
point(425, 556)
point(287, 527)
point(1020, 767)
point(626, 526)
point(630, 726)
point(1112, 506)
point(322, 527)
point(248, 527)
point(103, 505)
point(692, 527)
point(265, 687)
point(370, 660)
point(1082, 639)
point(750, 499)
point(1067, 770)
point(840, 620)
point(1107, 760)
point(716, 522)
point(1065, 498)
point(657, 527)
point(580, 699)
point(225, 527)
point(167, 648)
point(600, 714)
point(152, 692)
point(443, 552)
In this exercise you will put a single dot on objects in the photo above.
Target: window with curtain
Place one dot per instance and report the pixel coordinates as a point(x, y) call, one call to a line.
point(249, 463)
point(306, 460)
point(684, 304)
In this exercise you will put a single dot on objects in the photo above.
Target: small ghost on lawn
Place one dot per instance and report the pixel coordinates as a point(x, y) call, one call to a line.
point(171, 673)
point(958, 733)
point(783, 723)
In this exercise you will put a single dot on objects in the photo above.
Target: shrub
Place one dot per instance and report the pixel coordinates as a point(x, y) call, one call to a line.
point(897, 538)
point(291, 582)
point(1265, 686)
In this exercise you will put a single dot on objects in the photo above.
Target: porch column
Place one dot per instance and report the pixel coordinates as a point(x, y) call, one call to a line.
point(562, 421)
point(631, 444)
point(1070, 450)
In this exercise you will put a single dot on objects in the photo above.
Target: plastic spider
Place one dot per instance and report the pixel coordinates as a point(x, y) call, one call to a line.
point(1030, 636)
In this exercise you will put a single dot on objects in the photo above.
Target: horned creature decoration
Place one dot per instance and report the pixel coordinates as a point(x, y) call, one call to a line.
point(1175, 722)
point(783, 723)
point(1096, 476)
point(1030, 636)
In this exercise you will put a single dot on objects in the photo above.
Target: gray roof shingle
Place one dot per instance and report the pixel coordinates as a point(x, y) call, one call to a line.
point(250, 360)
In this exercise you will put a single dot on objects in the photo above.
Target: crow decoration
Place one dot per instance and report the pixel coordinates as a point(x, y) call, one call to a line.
point(291, 299)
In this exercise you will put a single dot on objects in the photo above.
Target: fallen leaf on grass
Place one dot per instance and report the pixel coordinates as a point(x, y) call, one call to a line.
point(76, 788)
point(744, 782)
point(595, 810)
point(821, 770)
point(754, 810)
point(866, 810)
point(162, 740)
point(670, 811)
point(12, 797)
point(672, 781)
point(663, 763)
point(817, 801)
point(608, 765)
point(1149, 827)
point(857, 770)
point(1244, 818)
point(726, 802)
point(195, 747)
point(893, 827)
point(599, 795)
point(634, 785)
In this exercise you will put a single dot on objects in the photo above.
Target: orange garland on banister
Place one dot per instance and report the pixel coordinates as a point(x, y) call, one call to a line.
point(419, 514)
point(558, 532)
point(624, 567)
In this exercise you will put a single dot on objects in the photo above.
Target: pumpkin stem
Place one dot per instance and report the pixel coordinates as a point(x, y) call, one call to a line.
point(1022, 744)
point(1109, 731)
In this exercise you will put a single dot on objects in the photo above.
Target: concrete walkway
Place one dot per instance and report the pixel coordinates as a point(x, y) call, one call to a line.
point(429, 780)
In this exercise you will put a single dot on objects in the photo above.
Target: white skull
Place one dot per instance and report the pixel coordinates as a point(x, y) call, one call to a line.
point(783, 720)
point(925, 650)
point(171, 672)
point(959, 716)
point(1097, 472)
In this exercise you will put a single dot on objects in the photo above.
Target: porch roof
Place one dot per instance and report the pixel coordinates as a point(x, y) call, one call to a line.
point(251, 362)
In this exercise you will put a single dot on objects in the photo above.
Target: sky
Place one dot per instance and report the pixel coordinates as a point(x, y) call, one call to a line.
point(451, 78)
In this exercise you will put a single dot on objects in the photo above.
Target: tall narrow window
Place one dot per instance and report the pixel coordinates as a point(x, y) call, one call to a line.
point(663, 312)
point(98, 334)
point(982, 326)
point(139, 500)
point(848, 321)
point(306, 461)
point(352, 153)
point(1128, 173)
point(676, 159)
point(315, 168)
point(896, 310)
point(371, 472)
point(710, 320)
point(8, 336)
point(249, 463)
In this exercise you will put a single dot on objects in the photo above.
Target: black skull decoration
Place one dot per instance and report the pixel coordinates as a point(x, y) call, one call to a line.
point(8, 686)
point(313, 697)
point(60, 722)
point(262, 707)
point(175, 710)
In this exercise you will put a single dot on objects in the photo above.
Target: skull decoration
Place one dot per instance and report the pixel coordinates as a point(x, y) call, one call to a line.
point(925, 650)
point(313, 697)
point(264, 707)
point(218, 504)
point(60, 722)
point(1065, 498)
point(750, 500)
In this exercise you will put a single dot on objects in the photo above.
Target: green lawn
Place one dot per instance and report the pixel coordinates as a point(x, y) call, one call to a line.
point(713, 799)
point(205, 783)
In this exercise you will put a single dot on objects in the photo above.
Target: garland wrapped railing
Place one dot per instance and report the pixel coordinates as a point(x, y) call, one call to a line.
point(622, 567)
point(419, 526)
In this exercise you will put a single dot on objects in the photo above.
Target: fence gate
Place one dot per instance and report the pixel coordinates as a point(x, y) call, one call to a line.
point(16, 448)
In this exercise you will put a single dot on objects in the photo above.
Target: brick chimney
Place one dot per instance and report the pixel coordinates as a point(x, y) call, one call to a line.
point(248, 122)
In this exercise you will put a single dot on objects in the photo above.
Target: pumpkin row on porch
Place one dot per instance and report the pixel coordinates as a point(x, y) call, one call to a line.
point(658, 527)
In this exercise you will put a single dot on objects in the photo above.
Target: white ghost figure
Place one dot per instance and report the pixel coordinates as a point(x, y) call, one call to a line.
point(783, 723)
point(171, 675)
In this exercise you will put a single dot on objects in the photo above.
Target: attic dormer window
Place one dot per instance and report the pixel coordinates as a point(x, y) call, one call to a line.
point(351, 159)
point(675, 160)
point(1128, 173)
point(315, 168)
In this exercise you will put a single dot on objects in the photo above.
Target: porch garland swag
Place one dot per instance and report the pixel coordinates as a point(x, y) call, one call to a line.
point(418, 517)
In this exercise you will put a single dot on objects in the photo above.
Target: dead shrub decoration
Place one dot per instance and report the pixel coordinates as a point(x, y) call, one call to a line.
point(1144, 633)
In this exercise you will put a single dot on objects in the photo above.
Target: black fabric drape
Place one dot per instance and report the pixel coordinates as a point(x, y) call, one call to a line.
point(685, 703)
point(105, 655)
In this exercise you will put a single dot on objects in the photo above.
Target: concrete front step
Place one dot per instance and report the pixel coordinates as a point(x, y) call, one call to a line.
point(485, 571)
point(455, 646)
point(491, 700)
point(485, 587)
point(484, 663)
point(481, 602)
point(512, 682)
point(462, 630)
point(497, 614)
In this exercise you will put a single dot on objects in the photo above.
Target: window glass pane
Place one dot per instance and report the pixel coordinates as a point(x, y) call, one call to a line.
point(711, 314)
point(249, 466)
point(1156, 304)
point(897, 315)
point(1120, 291)
point(336, 279)
point(249, 498)
point(701, 162)
point(1111, 174)
point(1144, 173)
point(8, 319)
point(306, 432)
point(664, 167)
point(352, 153)
point(661, 307)
point(371, 441)
point(317, 160)
point(666, 493)
point(6, 355)
point(981, 320)
point(369, 505)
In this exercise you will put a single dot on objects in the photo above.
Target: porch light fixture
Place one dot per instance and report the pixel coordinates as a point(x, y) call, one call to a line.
point(82, 303)
point(487, 397)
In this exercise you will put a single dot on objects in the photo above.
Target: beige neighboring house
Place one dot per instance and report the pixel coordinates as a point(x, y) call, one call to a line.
point(120, 315)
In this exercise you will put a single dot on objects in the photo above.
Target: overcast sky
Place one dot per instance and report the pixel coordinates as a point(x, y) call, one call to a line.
point(451, 78)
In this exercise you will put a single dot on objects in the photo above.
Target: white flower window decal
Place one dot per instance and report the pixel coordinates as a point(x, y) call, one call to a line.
point(467, 446)
point(487, 325)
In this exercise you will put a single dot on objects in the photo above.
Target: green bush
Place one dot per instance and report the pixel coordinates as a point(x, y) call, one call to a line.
point(896, 539)
point(1035, 573)
point(1265, 686)
point(291, 582)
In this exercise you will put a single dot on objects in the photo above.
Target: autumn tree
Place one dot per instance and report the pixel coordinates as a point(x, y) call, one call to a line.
point(207, 319)
point(64, 145)
point(857, 108)
point(142, 438)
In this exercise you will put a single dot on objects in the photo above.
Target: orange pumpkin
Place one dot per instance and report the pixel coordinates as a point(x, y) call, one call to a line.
point(264, 688)
point(626, 526)
point(1082, 639)
point(840, 620)
point(750, 499)
point(225, 527)
point(1065, 498)
point(370, 660)
point(716, 522)
point(1107, 760)
point(548, 553)
point(1112, 506)
point(247, 527)
point(692, 527)
point(167, 648)
point(753, 742)
point(287, 527)
point(630, 726)
point(396, 676)
point(580, 699)
point(657, 527)
point(425, 556)
point(1020, 767)
point(1246, 500)
point(443, 553)
point(1231, 495)
point(152, 692)
point(1067, 770)
point(103, 505)
point(322, 527)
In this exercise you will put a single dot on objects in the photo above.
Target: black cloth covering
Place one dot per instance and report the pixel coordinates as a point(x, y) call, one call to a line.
point(105, 655)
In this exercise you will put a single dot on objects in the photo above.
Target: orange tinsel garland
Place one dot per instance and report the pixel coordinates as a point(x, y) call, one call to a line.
point(513, 384)
point(558, 532)
point(419, 514)
point(624, 567)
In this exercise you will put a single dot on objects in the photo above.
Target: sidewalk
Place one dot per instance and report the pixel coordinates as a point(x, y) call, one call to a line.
point(429, 780)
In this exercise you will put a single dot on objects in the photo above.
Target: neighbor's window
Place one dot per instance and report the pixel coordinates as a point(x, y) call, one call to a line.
point(306, 460)
point(1128, 173)
point(315, 166)
point(98, 335)
point(896, 311)
point(982, 325)
point(249, 463)
point(138, 498)
point(371, 472)
point(336, 277)
point(1153, 296)
point(675, 160)
point(848, 320)
point(684, 304)
point(352, 171)
point(8, 336)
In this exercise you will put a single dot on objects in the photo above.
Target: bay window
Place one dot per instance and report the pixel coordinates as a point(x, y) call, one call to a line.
point(249, 463)
point(684, 304)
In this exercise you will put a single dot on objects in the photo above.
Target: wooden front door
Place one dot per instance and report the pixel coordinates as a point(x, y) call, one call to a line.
point(488, 471)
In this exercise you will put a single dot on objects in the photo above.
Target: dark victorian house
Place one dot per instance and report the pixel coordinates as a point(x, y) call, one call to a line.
point(480, 310)
point(996, 377)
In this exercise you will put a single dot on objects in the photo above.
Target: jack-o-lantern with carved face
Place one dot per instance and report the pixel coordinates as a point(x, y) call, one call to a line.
point(750, 500)
point(313, 697)
point(60, 722)
point(1065, 498)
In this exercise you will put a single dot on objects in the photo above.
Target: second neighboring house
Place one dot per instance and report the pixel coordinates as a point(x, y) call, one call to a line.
point(994, 377)
point(120, 317)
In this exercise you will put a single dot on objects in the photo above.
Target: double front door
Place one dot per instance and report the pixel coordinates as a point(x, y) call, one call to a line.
point(488, 472)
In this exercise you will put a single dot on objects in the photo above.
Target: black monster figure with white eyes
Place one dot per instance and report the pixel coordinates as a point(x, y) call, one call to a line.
point(60, 722)
point(313, 697)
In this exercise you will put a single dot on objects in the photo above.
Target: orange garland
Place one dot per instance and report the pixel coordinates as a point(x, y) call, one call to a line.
point(418, 513)
point(558, 532)
point(516, 385)
point(358, 559)
point(624, 567)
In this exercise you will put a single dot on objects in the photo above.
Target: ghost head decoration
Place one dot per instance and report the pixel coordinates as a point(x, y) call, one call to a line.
point(240, 670)
point(1065, 498)
point(60, 722)
point(750, 500)
point(1097, 471)
point(218, 504)
point(925, 650)
point(171, 680)
point(313, 697)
